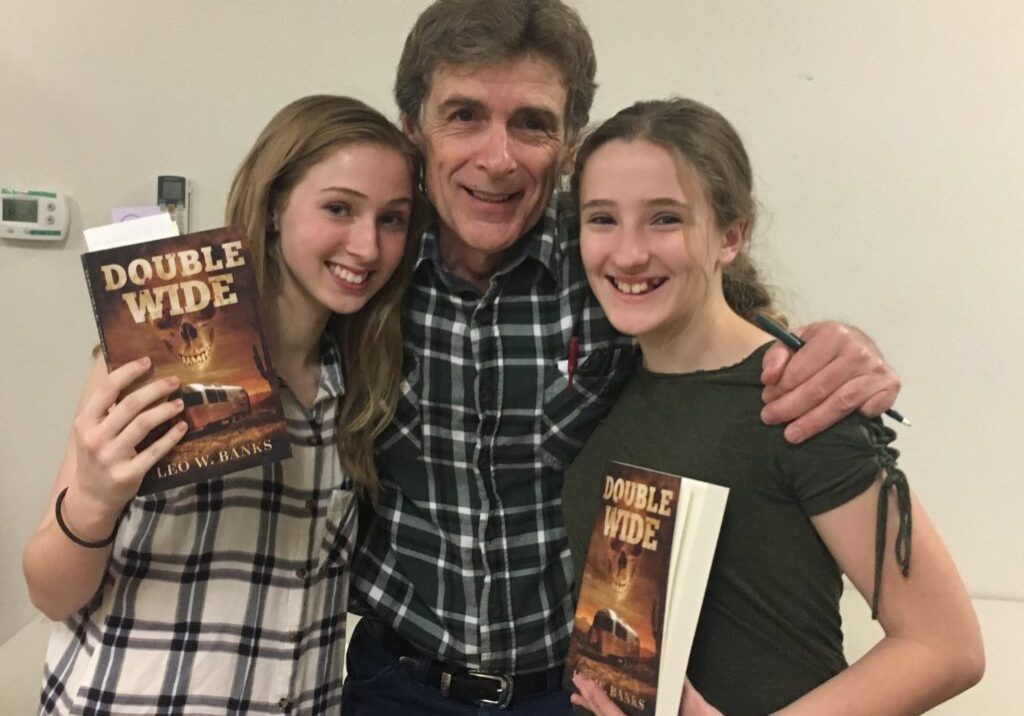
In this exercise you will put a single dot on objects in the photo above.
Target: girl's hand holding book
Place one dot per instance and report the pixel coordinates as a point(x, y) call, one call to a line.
point(592, 697)
point(106, 433)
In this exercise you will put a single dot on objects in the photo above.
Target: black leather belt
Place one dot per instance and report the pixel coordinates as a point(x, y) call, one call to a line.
point(467, 685)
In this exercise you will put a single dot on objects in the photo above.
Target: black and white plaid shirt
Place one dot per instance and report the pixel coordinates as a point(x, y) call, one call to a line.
point(465, 553)
point(227, 596)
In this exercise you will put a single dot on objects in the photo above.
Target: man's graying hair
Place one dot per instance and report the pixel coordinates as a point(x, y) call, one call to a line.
point(487, 32)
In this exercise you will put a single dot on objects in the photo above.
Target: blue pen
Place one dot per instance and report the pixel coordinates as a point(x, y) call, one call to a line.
point(795, 343)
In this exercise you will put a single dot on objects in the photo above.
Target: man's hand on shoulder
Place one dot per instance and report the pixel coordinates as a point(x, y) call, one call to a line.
point(839, 370)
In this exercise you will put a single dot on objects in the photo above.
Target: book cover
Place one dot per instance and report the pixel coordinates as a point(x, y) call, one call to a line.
point(642, 586)
point(190, 303)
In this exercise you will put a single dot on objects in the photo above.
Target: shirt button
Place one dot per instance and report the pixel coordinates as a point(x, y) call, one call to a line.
point(313, 440)
point(311, 506)
point(300, 573)
point(284, 704)
point(486, 398)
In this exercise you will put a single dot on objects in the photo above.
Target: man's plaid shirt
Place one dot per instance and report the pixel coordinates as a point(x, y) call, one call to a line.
point(465, 553)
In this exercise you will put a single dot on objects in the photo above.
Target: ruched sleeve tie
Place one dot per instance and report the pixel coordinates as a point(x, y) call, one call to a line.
point(895, 481)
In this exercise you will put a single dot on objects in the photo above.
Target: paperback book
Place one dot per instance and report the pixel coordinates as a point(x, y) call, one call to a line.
point(642, 586)
point(190, 303)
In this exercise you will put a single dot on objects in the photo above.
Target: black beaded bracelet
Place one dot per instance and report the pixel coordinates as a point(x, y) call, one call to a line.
point(71, 535)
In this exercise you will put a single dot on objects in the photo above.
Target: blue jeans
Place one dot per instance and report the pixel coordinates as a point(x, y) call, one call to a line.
point(377, 685)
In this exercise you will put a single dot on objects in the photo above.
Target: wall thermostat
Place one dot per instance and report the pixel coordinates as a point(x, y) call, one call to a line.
point(174, 195)
point(36, 215)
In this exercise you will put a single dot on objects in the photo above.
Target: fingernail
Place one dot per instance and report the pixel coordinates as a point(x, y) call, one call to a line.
point(794, 435)
point(179, 404)
point(145, 361)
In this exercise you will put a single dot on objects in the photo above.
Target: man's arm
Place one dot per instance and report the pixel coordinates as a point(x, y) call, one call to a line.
point(839, 370)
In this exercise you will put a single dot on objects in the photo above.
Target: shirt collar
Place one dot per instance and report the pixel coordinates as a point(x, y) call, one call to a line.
point(332, 377)
point(544, 243)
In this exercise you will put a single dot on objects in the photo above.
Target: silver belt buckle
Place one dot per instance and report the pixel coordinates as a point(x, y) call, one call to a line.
point(504, 689)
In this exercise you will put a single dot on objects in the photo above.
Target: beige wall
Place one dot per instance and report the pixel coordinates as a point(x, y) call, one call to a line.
point(888, 151)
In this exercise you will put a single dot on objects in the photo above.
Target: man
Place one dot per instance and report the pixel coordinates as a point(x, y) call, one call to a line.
point(510, 364)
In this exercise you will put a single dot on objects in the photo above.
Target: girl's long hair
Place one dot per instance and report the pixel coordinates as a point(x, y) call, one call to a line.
point(370, 341)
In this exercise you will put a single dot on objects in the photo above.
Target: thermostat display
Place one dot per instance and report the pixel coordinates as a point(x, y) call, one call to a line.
point(38, 215)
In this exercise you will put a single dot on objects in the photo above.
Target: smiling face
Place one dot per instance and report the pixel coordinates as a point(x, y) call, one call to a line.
point(494, 139)
point(343, 226)
point(650, 244)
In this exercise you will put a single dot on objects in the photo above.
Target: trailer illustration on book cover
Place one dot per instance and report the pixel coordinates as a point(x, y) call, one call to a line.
point(617, 635)
point(190, 304)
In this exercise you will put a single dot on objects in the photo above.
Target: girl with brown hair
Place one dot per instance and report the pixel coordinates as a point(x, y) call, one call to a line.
point(666, 212)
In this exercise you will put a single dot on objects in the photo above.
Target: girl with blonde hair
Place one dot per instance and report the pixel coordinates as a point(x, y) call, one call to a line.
point(229, 595)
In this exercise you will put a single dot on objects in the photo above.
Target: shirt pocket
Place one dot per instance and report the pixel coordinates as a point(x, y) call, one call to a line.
point(570, 416)
point(402, 434)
